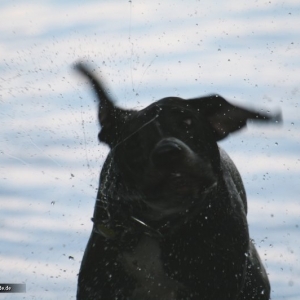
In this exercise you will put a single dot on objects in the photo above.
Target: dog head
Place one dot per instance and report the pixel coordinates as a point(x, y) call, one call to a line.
point(164, 158)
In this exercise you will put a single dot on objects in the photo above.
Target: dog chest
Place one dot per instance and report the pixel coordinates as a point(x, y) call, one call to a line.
point(145, 265)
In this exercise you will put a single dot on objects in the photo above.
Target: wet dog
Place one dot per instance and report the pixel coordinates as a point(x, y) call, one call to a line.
point(170, 216)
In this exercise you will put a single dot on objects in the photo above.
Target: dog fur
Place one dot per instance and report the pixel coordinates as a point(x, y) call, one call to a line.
point(170, 215)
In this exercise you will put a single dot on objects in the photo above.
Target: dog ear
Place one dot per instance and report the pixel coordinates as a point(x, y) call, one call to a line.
point(226, 118)
point(111, 118)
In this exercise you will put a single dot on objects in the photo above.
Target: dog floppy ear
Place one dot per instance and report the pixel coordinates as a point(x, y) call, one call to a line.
point(111, 118)
point(226, 118)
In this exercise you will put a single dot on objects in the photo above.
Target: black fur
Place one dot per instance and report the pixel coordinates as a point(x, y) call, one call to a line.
point(170, 216)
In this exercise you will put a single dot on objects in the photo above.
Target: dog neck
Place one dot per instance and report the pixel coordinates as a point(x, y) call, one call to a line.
point(126, 223)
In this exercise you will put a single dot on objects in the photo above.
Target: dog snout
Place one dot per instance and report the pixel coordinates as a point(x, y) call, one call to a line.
point(169, 151)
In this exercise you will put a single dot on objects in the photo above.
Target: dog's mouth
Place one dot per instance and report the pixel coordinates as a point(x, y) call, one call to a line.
point(180, 184)
point(177, 192)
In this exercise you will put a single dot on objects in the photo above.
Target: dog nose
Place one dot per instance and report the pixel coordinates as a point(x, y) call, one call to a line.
point(166, 151)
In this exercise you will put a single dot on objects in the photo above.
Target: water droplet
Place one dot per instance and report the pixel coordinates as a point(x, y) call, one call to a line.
point(52, 202)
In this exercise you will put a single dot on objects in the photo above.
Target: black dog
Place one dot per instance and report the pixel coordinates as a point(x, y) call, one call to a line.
point(170, 215)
